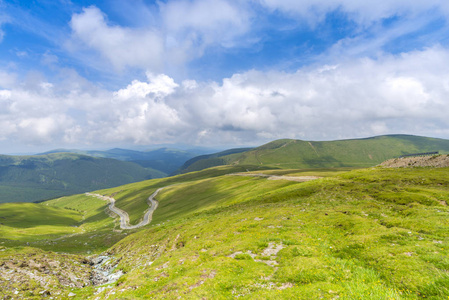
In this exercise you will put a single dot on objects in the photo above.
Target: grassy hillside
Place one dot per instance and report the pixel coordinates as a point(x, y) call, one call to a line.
point(79, 223)
point(344, 153)
point(364, 234)
point(73, 224)
point(164, 160)
point(41, 177)
point(209, 160)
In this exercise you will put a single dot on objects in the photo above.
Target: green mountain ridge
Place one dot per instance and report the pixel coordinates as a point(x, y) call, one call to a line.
point(41, 177)
point(287, 153)
point(165, 160)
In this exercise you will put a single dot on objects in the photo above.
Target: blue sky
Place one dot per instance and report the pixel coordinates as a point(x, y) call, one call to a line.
point(98, 74)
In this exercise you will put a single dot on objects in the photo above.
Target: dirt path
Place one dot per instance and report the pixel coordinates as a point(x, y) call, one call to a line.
point(277, 177)
point(124, 217)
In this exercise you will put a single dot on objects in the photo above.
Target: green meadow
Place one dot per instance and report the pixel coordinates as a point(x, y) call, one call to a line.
point(372, 233)
point(364, 234)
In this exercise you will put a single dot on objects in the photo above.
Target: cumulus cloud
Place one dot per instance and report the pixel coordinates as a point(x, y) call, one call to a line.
point(404, 93)
point(186, 28)
point(120, 45)
point(157, 86)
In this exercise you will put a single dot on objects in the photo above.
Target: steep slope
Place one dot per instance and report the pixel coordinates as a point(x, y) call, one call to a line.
point(40, 177)
point(344, 153)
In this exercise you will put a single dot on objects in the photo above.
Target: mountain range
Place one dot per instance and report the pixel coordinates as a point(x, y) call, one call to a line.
point(64, 172)
point(294, 154)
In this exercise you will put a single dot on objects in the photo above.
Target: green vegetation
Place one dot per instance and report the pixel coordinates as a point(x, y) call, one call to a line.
point(210, 160)
point(42, 177)
point(363, 234)
point(359, 153)
point(73, 224)
point(164, 160)
point(133, 197)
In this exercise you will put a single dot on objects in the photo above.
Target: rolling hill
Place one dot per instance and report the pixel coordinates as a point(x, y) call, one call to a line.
point(41, 177)
point(357, 153)
point(165, 160)
point(210, 160)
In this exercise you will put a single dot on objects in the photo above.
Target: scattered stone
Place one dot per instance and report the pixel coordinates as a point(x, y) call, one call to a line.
point(45, 293)
point(258, 219)
point(272, 249)
point(72, 294)
point(286, 285)
point(103, 270)
point(164, 266)
point(436, 161)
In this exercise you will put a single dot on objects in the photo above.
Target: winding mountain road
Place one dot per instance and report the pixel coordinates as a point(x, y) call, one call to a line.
point(124, 217)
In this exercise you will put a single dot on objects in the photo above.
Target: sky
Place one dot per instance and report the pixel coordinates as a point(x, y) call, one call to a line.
point(219, 73)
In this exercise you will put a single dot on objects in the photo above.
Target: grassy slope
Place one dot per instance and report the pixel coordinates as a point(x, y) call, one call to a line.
point(364, 234)
point(74, 224)
point(369, 234)
point(32, 178)
point(87, 227)
point(133, 197)
point(344, 153)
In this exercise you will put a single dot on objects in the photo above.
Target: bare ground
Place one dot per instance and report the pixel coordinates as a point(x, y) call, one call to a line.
point(437, 161)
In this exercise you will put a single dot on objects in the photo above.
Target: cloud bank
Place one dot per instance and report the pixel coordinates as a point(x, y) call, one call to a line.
point(355, 98)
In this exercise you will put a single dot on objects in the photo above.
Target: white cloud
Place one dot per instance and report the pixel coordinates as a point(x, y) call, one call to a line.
point(123, 47)
point(158, 87)
point(405, 93)
point(185, 30)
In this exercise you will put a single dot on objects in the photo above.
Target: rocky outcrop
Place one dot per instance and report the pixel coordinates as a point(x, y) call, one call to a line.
point(436, 161)
point(104, 270)
point(37, 273)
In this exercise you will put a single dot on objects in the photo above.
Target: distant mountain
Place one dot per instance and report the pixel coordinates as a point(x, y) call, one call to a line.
point(40, 177)
point(289, 153)
point(165, 160)
point(209, 160)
